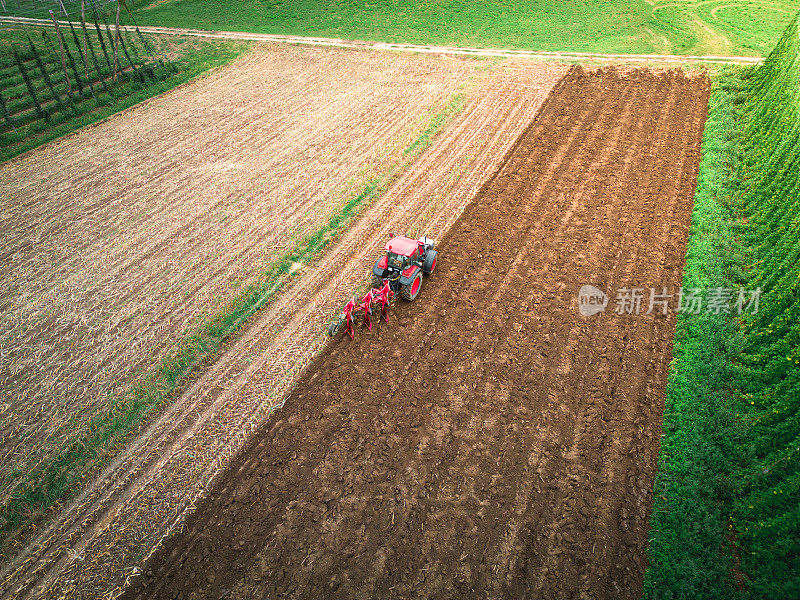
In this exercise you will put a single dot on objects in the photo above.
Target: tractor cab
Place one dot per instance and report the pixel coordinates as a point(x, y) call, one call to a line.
point(404, 263)
point(401, 252)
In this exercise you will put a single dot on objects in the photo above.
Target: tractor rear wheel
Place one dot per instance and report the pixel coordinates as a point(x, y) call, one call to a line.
point(430, 262)
point(411, 290)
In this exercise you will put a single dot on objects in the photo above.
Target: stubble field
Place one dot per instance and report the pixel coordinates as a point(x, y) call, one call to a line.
point(120, 239)
point(177, 204)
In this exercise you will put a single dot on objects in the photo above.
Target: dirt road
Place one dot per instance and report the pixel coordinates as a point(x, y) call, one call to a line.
point(491, 441)
point(441, 50)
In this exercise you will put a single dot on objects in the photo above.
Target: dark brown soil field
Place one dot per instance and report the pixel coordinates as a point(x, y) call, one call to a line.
point(489, 442)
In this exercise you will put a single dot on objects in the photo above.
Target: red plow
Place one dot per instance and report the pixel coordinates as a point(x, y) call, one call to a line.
point(398, 272)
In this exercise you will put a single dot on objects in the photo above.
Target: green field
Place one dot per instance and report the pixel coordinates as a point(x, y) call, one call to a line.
point(726, 517)
point(631, 26)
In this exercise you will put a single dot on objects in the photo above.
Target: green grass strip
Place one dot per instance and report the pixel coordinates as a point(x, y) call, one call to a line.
point(52, 482)
point(690, 553)
point(726, 521)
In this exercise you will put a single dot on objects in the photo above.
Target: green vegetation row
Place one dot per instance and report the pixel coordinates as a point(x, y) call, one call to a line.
point(766, 518)
point(53, 482)
point(726, 515)
point(615, 26)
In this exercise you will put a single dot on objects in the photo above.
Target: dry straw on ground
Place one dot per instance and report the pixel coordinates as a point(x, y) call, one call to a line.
point(294, 131)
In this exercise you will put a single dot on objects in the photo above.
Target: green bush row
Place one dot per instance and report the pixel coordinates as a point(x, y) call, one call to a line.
point(766, 514)
point(690, 549)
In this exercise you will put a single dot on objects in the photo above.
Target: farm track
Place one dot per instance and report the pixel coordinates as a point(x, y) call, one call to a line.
point(489, 442)
point(440, 50)
point(88, 550)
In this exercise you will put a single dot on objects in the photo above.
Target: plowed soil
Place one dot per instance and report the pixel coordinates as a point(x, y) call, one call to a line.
point(490, 441)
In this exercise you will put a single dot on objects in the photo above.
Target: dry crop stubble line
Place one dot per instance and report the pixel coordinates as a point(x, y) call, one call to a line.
point(145, 492)
point(508, 408)
point(104, 276)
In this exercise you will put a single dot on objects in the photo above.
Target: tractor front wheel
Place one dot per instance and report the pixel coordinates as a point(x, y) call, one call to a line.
point(411, 290)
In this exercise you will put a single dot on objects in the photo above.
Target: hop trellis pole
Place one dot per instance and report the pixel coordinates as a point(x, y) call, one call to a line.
point(72, 63)
point(61, 46)
point(90, 47)
point(148, 45)
point(85, 61)
point(26, 78)
point(85, 40)
point(100, 37)
point(116, 42)
point(131, 62)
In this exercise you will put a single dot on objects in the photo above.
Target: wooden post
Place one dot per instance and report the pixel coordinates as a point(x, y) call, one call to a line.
point(116, 42)
point(61, 45)
point(63, 10)
point(90, 45)
point(3, 2)
point(26, 78)
point(78, 45)
point(70, 58)
point(100, 36)
point(85, 41)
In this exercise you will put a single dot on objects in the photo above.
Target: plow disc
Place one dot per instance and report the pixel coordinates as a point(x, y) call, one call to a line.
point(375, 297)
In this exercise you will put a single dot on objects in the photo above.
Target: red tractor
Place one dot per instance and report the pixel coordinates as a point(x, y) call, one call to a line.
point(398, 273)
point(404, 264)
